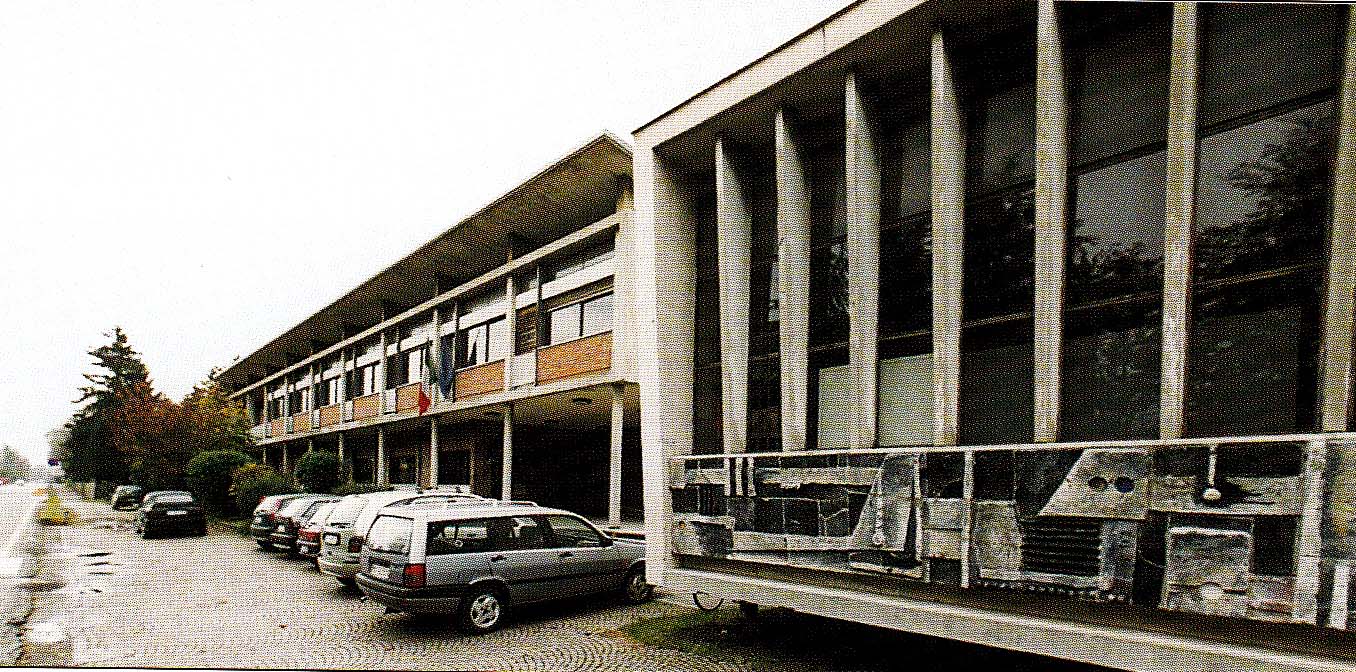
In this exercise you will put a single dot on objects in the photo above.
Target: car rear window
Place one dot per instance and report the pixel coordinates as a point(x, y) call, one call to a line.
point(457, 536)
point(321, 513)
point(176, 498)
point(390, 535)
point(347, 511)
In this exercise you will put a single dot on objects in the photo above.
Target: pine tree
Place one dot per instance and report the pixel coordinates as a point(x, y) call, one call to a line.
point(91, 448)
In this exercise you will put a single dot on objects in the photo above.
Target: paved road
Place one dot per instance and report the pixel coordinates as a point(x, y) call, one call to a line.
point(17, 505)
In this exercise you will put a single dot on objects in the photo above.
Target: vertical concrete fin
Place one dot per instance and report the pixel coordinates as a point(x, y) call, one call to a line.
point(506, 466)
point(433, 453)
point(863, 164)
point(1179, 215)
point(793, 279)
point(383, 468)
point(948, 241)
point(614, 481)
point(1337, 318)
point(734, 231)
point(1052, 205)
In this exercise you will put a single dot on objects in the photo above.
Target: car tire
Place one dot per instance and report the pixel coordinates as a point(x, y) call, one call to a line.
point(634, 588)
point(351, 584)
point(264, 545)
point(146, 532)
point(482, 610)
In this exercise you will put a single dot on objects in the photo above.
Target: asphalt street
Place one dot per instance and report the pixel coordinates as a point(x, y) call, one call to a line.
point(17, 564)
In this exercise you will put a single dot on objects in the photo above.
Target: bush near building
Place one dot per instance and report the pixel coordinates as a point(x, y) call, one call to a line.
point(253, 482)
point(209, 475)
point(351, 488)
point(318, 471)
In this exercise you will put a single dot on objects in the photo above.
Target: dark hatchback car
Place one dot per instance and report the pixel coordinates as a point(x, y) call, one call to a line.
point(126, 497)
point(265, 514)
point(291, 518)
point(169, 511)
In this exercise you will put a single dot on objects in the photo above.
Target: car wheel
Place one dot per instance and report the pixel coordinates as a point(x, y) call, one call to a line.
point(351, 584)
point(482, 610)
point(146, 532)
point(635, 589)
point(264, 545)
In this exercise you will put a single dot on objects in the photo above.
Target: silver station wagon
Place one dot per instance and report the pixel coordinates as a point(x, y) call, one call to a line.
point(477, 560)
point(342, 537)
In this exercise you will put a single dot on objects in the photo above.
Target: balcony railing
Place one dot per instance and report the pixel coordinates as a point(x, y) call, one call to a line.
point(1249, 527)
point(367, 406)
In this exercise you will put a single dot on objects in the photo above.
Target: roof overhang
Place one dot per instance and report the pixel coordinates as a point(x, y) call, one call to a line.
point(579, 189)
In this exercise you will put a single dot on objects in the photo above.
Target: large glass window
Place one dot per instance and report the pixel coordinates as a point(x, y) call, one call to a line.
point(576, 320)
point(765, 390)
point(996, 339)
point(1114, 270)
point(483, 343)
point(1263, 188)
point(708, 422)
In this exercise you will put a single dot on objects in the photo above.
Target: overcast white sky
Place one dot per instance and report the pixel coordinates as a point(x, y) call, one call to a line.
point(207, 174)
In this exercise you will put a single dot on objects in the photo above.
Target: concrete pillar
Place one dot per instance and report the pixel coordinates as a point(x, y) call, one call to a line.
point(948, 241)
point(436, 353)
point(506, 490)
point(1338, 318)
point(310, 445)
point(510, 325)
point(433, 453)
point(1052, 213)
point(263, 455)
point(286, 465)
point(615, 460)
point(383, 469)
point(734, 231)
point(342, 381)
point(793, 280)
point(1179, 215)
point(863, 252)
point(381, 371)
point(342, 471)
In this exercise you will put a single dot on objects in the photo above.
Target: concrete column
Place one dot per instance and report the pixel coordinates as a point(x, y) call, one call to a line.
point(793, 280)
point(734, 231)
point(286, 465)
point(863, 252)
point(383, 469)
point(310, 445)
point(507, 478)
point(263, 455)
point(614, 489)
point(948, 241)
point(340, 437)
point(436, 352)
point(510, 325)
point(1338, 318)
point(266, 400)
point(433, 453)
point(381, 372)
point(1052, 213)
point(1179, 215)
point(343, 380)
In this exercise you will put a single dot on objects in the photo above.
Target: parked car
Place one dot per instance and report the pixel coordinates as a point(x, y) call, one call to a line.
point(126, 497)
point(291, 518)
point(263, 524)
point(342, 538)
point(169, 510)
point(477, 560)
point(308, 537)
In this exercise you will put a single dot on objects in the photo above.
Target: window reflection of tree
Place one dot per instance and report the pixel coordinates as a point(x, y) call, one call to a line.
point(1263, 204)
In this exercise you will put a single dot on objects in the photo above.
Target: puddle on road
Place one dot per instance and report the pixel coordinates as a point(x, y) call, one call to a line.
point(96, 554)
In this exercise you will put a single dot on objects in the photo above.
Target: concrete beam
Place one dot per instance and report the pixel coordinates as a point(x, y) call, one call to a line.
point(1178, 245)
point(1338, 313)
point(863, 251)
point(948, 242)
point(793, 279)
point(1052, 212)
point(734, 231)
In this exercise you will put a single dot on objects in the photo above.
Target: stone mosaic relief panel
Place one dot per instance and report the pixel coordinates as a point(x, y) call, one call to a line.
point(1258, 531)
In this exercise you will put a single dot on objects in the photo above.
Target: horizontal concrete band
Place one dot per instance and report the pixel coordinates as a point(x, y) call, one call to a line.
point(1091, 643)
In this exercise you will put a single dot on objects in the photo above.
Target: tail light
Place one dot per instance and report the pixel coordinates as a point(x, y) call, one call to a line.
point(355, 544)
point(414, 575)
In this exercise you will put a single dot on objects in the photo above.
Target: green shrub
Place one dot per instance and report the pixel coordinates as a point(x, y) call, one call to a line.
point(351, 488)
point(253, 482)
point(318, 471)
point(209, 475)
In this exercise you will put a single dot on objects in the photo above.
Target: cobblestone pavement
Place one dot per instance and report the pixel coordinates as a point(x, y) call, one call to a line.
point(219, 601)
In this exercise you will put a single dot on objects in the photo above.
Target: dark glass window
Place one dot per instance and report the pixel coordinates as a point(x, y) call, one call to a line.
point(1261, 213)
point(708, 423)
point(1114, 270)
point(456, 536)
point(708, 435)
point(765, 404)
point(999, 275)
point(828, 236)
point(1255, 56)
point(483, 343)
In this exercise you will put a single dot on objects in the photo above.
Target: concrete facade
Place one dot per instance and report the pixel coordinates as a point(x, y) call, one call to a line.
point(1122, 433)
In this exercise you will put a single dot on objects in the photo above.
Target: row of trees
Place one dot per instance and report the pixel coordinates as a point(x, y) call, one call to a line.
point(13, 465)
point(124, 431)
